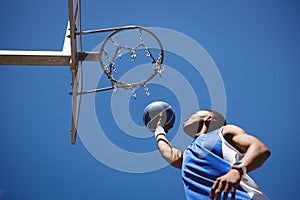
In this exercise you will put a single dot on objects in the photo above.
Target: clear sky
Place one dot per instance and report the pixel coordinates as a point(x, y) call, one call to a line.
point(254, 44)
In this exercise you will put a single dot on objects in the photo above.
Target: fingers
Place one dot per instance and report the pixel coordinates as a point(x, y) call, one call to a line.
point(222, 186)
point(159, 123)
point(226, 190)
point(229, 187)
point(216, 190)
point(233, 191)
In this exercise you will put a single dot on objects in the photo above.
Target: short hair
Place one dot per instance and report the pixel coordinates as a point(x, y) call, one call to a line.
point(218, 120)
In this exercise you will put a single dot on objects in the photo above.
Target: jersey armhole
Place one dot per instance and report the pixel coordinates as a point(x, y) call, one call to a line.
point(230, 143)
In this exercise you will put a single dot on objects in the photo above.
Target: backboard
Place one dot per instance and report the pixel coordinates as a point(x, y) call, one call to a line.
point(72, 55)
point(68, 56)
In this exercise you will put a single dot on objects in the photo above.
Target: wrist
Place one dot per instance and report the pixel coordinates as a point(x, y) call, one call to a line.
point(159, 131)
point(239, 166)
point(237, 171)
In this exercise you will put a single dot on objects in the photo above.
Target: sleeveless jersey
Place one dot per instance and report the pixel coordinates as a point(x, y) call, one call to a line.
point(208, 157)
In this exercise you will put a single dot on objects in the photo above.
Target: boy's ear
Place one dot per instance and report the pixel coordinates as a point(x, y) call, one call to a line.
point(208, 118)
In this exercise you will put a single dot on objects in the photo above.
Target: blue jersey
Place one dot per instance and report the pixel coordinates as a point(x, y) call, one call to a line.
point(208, 157)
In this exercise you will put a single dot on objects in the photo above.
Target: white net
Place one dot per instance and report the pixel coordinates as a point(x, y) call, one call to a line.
point(126, 48)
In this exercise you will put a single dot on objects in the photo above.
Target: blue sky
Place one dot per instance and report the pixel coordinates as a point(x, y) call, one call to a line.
point(254, 44)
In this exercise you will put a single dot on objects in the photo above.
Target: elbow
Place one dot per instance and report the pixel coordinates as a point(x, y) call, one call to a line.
point(264, 152)
point(172, 156)
point(177, 164)
point(267, 153)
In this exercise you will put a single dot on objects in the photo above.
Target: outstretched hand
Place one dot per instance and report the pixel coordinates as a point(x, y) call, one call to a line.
point(226, 183)
point(160, 123)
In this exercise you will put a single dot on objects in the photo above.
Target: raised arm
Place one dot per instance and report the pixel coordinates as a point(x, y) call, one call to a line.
point(169, 153)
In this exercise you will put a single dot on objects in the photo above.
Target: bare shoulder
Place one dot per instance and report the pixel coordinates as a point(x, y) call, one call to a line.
point(233, 130)
point(232, 133)
point(238, 137)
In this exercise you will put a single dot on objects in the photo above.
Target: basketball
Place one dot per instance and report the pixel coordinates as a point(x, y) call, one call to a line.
point(152, 111)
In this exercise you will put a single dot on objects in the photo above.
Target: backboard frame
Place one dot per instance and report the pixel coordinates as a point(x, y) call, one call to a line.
point(74, 7)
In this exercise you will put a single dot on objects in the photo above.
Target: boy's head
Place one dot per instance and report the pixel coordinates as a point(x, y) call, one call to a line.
point(209, 118)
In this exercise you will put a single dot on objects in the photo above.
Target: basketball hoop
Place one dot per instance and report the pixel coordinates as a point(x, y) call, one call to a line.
point(111, 50)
